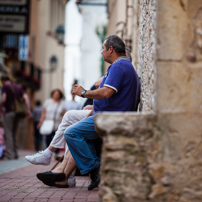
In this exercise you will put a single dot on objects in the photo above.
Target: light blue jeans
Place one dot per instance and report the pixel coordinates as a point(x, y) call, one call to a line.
point(78, 137)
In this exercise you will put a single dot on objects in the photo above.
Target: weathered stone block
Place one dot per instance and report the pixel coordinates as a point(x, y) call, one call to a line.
point(172, 34)
point(150, 158)
point(178, 88)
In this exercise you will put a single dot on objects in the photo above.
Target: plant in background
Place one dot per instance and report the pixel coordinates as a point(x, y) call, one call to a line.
point(101, 33)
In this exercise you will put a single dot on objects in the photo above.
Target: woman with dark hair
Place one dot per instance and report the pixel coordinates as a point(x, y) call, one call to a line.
point(53, 109)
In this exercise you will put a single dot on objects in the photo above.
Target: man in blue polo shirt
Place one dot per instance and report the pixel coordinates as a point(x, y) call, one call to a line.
point(122, 79)
point(118, 91)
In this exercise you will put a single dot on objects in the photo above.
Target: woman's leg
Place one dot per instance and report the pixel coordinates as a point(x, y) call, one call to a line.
point(58, 140)
point(67, 166)
point(69, 118)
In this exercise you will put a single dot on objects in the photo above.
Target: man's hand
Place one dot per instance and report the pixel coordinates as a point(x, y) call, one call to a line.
point(77, 90)
point(101, 93)
point(88, 107)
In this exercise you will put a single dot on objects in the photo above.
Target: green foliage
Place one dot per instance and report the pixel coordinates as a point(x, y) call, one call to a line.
point(101, 33)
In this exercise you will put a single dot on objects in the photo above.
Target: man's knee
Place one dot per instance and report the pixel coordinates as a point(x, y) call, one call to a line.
point(69, 114)
point(68, 133)
point(71, 134)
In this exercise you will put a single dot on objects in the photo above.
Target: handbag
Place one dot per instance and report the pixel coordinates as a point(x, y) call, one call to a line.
point(47, 126)
point(20, 107)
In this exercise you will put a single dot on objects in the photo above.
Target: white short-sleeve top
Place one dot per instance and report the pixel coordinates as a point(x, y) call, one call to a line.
point(51, 107)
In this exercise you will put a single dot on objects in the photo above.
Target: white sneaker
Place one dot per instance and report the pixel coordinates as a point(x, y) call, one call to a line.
point(38, 159)
point(71, 181)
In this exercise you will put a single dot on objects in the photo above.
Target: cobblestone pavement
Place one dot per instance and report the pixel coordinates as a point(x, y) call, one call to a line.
point(18, 182)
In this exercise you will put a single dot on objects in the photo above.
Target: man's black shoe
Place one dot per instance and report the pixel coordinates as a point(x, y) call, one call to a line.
point(94, 184)
point(95, 177)
point(50, 177)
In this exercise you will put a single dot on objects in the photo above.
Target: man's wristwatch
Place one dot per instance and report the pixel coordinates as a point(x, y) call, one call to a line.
point(83, 92)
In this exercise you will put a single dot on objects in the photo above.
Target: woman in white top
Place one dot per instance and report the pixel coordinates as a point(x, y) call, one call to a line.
point(53, 108)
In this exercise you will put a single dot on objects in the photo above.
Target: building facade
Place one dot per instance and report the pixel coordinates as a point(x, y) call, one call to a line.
point(39, 69)
point(94, 16)
point(45, 48)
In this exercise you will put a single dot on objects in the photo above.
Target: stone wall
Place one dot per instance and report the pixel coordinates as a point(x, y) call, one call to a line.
point(135, 29)
point(147, 53)
point(156, 157)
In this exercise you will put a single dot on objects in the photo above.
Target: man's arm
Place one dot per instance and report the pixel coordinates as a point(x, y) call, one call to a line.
point(3, 99)
point(101, 93)
point(41, 119)
point(25, 96)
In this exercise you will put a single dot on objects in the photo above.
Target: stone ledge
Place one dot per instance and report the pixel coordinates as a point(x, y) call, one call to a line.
point(148, 157)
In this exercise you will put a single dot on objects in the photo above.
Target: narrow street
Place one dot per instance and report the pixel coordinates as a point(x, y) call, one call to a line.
point(18, 182)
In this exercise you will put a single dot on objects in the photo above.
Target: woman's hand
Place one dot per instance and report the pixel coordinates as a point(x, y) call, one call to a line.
point(39, 125)
point(41, 119)
point(88, 107)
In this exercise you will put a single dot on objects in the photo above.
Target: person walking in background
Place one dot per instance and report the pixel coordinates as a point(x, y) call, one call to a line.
point(2, 141)
point(10, 119)
point(53, 109)
point(36, 115)
point(73, 104)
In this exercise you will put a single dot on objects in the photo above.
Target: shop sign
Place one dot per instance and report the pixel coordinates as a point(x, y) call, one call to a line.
point(14, 16)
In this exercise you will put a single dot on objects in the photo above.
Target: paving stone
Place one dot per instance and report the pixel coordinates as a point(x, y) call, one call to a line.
point(20, 184)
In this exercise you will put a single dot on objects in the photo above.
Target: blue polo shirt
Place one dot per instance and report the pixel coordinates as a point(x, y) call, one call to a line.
point(122, 77)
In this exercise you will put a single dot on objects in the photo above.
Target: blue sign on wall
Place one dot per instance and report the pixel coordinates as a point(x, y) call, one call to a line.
point(23, 47)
